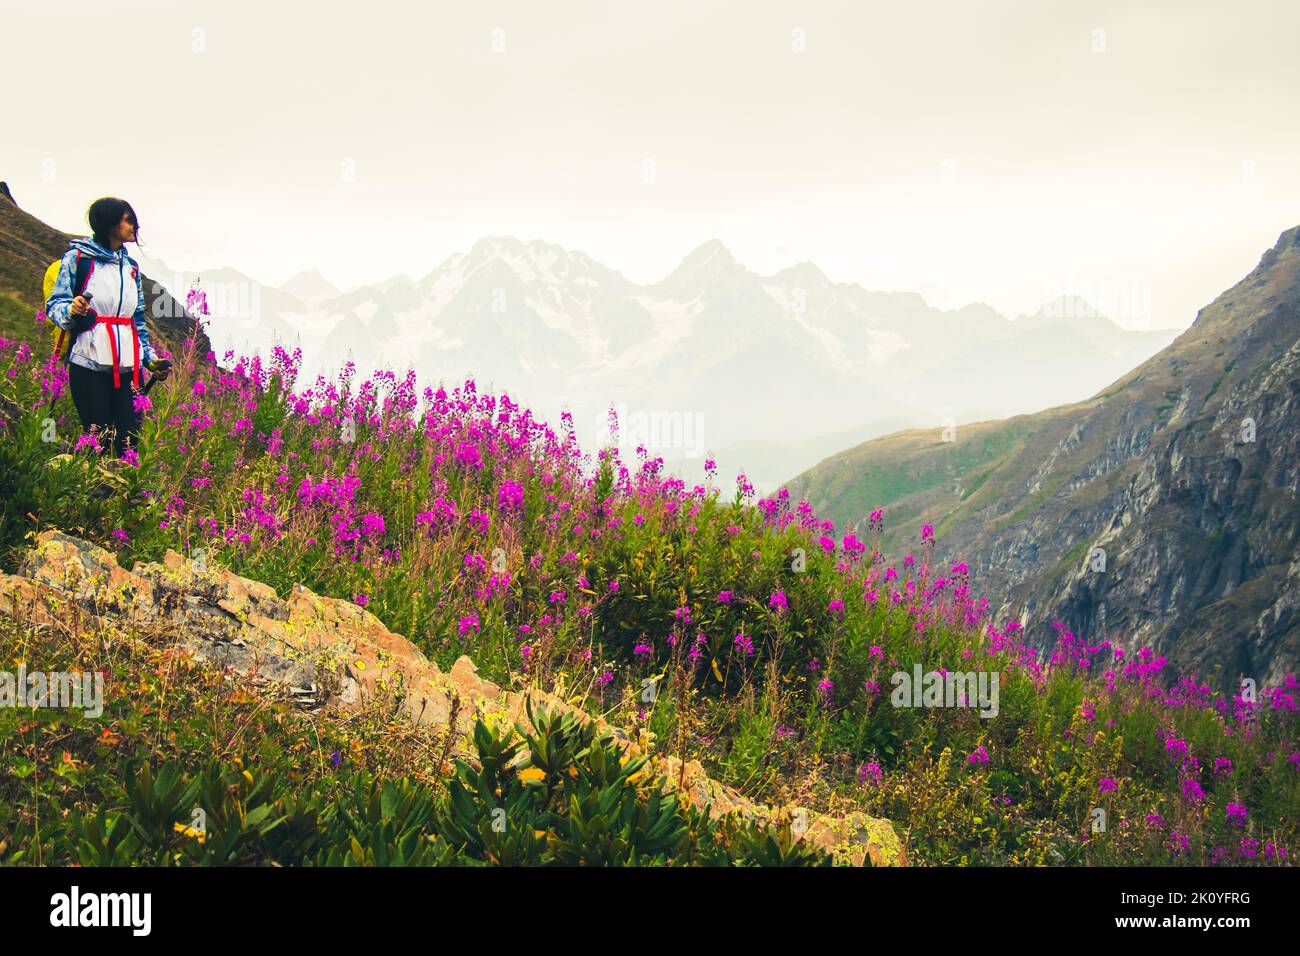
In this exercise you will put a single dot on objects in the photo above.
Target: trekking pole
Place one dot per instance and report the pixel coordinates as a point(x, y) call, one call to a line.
point(149, 384)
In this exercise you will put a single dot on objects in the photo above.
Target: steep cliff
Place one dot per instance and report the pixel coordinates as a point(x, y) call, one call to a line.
point(1162, 511)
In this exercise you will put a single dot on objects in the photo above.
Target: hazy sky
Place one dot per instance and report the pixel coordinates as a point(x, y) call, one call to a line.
point(998, 152)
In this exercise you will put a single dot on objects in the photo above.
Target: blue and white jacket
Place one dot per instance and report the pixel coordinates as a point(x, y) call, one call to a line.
point(114, 289)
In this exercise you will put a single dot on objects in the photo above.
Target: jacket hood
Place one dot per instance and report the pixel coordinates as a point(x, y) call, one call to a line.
point(90, 247)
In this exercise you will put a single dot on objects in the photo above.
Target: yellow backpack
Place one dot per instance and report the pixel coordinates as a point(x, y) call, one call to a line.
point(62, 339)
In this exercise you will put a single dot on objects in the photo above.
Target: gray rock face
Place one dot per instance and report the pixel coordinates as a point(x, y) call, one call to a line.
point(1184, 473)
point(1200, 532)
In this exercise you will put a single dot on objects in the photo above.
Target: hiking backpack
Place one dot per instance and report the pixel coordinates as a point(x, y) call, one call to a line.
point(62, 339)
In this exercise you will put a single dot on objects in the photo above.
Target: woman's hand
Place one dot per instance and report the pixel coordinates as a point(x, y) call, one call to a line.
point(79, 306)
point(161, 368)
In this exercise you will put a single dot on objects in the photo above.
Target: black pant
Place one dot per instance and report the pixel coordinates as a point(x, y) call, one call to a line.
point(103, 407)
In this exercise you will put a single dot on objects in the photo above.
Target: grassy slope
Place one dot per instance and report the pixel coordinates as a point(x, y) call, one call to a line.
point(805, 714)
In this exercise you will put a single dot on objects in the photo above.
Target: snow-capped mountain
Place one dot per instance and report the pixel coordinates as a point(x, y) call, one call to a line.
point(762, 371)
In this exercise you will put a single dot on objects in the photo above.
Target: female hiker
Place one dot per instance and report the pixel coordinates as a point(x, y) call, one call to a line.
point(99, 300)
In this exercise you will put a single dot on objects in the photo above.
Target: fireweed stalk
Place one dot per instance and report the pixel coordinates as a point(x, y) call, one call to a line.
point(459, 519)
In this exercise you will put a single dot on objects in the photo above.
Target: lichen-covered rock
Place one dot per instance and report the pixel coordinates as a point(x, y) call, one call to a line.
point(330, 655)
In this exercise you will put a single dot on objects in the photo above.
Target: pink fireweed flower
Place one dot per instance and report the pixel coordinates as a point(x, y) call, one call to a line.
point(467, 455)
point(469, 624)
point(643, 651)
point(372, 524)
point(870, 773)
point(777, 601)
point(361, 600)
point(1236, 814)
point(1107, 785)
point(744, 642)
point(724, 597)
point(851, 546)
point(1223, 765)
point(978, 757)
point(1192, 791)
point(558, 597)
point(510, 496)
point(88, 440)
point(927, 533)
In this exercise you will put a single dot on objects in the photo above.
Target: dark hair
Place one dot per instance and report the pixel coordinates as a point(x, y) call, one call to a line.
point(105, 214)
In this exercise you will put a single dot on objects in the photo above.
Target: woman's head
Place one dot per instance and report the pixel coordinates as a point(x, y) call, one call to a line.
point(113, 222)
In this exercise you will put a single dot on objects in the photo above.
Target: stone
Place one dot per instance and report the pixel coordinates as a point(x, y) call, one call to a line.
point(330, 655)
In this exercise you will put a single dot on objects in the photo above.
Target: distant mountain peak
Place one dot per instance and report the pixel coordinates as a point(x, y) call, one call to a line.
point(706, 264)
point(534, 261)
point(712, 251)
point(804, 274)
point(1067, 307)
point(491, 246)
point(308, 285)
point(1288, 242)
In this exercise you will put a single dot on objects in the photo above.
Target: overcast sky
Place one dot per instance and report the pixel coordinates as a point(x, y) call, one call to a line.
point(998, 152)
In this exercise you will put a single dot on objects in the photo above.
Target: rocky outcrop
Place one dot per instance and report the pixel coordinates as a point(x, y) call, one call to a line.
point(331, 655)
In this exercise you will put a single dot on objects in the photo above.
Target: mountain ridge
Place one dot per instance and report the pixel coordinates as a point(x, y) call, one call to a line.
point(711, 339)
point(1199, 535)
